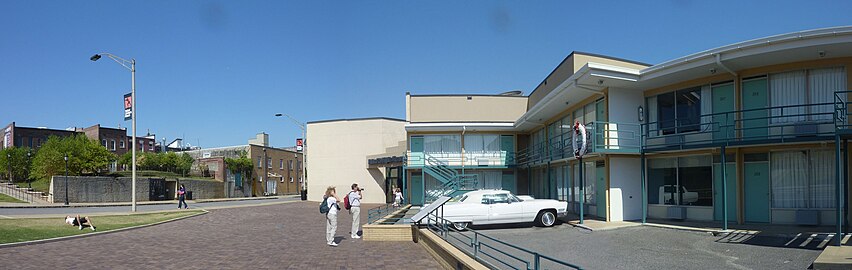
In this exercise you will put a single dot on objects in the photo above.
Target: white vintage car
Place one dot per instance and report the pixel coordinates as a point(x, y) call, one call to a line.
point(500, 206)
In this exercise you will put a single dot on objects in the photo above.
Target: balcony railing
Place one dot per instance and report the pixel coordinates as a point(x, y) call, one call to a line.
point(776, 124)
point(468, 159)
point(601, 137)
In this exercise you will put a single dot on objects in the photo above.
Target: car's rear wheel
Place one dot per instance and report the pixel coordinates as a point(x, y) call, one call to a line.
point(460, 226)
point(545, 218)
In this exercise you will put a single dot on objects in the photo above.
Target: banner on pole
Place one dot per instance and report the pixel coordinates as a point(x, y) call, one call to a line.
point(299, 144)
point(128, 106)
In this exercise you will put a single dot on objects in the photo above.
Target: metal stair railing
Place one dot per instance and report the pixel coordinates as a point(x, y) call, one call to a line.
point(492, 252)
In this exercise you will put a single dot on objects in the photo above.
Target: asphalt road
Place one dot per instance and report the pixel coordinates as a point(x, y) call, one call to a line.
point(94, 210)
point(645, 247)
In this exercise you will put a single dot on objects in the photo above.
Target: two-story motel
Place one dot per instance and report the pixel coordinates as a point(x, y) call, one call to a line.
point(772, 110)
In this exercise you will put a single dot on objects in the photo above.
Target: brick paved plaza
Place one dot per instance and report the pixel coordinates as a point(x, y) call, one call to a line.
point(281, 236)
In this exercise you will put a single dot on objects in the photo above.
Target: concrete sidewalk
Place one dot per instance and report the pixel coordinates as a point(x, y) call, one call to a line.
point(108, 204)
point(95, 210)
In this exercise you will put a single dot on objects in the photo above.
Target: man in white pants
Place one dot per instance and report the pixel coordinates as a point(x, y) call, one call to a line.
point(355, 209)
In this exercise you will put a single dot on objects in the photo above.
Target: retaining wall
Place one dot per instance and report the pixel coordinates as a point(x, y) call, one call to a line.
point(93, 189)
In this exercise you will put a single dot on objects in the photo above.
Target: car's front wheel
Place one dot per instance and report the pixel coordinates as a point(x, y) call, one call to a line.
point(460, 226)
point(545, 218)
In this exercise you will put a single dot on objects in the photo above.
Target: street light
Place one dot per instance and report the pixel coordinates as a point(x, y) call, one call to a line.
point(29, 181)
point(132, 68)
point(304, 153)
point(66, 178)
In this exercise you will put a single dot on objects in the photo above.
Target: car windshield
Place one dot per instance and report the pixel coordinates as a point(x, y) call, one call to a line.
point(458, 198)
point(513, 199)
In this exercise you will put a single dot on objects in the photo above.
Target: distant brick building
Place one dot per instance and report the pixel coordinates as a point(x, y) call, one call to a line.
point(14, 136)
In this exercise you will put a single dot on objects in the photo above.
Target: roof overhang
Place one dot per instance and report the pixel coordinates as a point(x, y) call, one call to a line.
point(787, 48)
point(588, 81)
point(459, 126)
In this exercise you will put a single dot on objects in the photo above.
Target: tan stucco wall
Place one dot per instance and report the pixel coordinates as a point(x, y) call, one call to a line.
point(337, 153)
point(461, 109)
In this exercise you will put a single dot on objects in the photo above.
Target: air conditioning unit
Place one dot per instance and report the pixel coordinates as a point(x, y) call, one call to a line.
point(807, 217)
point(676, 212)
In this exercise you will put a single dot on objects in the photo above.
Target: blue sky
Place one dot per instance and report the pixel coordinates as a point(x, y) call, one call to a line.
point(215, 72)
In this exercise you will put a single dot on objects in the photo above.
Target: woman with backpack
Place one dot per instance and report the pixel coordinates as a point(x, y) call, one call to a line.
point(330, 200)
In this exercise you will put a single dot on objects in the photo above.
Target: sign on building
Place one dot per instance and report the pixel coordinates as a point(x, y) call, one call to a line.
point(128, 106)
point(299, 144)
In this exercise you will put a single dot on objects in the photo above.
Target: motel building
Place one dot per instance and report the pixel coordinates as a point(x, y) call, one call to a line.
point(752, 132)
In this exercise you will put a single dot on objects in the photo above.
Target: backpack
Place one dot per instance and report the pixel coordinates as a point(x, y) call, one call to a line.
point(324, 206)
point(346, 202)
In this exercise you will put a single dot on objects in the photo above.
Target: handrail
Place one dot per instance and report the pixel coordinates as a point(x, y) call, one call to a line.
point(783, 123)
point(496, 251)
point(601, 136)
point(376, 213)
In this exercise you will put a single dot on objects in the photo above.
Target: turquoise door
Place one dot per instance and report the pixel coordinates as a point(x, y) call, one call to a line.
point(601, 127)
point(600, 190)
point(416, 197)
point(756, 192)
point(755, 97)
point(723, 101)
point(416, 147)
point(731, 172)
point(507, 145)
point(508, 183)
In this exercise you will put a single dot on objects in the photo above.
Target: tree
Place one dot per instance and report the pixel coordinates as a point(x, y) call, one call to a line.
point(184, 164)
point(85, 156)
point(16, 158)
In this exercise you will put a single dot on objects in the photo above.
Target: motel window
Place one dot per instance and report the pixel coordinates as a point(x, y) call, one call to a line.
point(814, 86)
point(681, 181)
point(481, 143)
point(679, 111)
point(802, 179)
point(589, 190)
point(442, 145)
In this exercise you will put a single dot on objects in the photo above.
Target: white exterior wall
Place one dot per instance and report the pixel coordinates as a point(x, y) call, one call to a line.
point(337, 153)
point(624, 129)
point(625, 189)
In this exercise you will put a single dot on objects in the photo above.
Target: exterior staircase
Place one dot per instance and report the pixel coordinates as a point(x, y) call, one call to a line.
point(22, 193)
point(452, 182)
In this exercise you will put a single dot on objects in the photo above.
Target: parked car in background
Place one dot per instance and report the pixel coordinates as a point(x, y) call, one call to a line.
point(501, 206)
point(668, 195)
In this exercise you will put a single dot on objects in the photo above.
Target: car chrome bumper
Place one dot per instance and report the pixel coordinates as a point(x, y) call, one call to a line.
point(561, 214)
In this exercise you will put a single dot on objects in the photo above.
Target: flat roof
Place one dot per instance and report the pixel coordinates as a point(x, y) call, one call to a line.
point(356, 119)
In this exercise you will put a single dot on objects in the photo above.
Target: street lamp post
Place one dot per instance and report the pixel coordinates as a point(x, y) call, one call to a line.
point(29, 181)
point(132, 68)
point(304, 151)
point(66, 178)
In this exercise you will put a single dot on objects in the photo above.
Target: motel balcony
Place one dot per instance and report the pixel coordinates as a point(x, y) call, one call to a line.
point(493, 159)
point(762, 126)
point(601, 138)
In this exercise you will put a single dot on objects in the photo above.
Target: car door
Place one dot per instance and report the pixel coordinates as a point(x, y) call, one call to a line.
point(504, 210)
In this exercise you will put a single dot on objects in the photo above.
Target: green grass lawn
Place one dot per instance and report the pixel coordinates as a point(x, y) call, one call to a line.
point(26, 229)
point(7, 199)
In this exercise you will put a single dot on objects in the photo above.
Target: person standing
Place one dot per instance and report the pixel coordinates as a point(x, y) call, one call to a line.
point(182, 197)
point(397, 197)
point(331, 217)
point(355, 209)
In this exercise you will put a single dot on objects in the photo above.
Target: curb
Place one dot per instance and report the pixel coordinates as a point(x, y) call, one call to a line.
point(41, 241)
